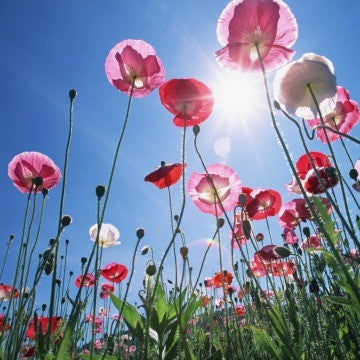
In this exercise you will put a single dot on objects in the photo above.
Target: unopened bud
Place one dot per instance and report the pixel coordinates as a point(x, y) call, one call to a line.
point(259, 237)
point(145, 250)
point(151, 270)
point(38, 181)
point(220, 223)
point(44, 191)
point(100, 191)
point(66, 220)
point(140, 233)
point(277, 105)
point(83, 260)
point(242, 199)
point(282, 252)
point(306, 231)
point(72, 94)
point(184, 251)
point(196, 129)
point(353, 174)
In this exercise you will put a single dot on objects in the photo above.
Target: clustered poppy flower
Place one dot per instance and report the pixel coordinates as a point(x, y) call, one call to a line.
point(104, 290)
point(5, 292)
point(311, 182)
point(245, 24)
point(166, 175)
point(222, 278)
point(263, 203)
point(42, 326)
point(343, 118)
point(291, 86)
point(190, 100)
point(26, 167)
point(108, 236)
point(134, 61)
point(88, 280)
point(114, 272)
point(227, 184)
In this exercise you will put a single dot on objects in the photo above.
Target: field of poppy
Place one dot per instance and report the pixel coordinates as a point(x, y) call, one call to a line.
point(276, 275)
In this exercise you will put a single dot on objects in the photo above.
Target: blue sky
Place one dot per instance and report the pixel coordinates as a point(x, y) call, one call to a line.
point(50, 47)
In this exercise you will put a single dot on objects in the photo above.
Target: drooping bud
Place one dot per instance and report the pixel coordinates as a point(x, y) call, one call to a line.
point(66, 220)
point(282, 252)
point(44, 191)
point(220, 223)
point(145, 250)
point(259, 237)
point(353, 174)
point(184, 251)
point(151, 269)
point(140, 233)
point(72, 94)
point(100, 191)
point(196, 130)
point(306, 231)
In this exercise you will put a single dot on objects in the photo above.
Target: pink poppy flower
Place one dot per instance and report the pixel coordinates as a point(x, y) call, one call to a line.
point(264, 203)
point(343, 118)
point(285, 269)
point(208, 282)
point(239, 238)
point(259, 269)
point(239, 310)
point(27, 166)
point(189, 94)
point(227, 184)
point(313, 242)
point(266, 254)
point(104, 290)
point(290, 236)
point(134, 60)
point(243, 24)
point(5, 292)
point(288, 215)
point(89, 280)
point(166, 175)
point(293, 186)
point(114, 272)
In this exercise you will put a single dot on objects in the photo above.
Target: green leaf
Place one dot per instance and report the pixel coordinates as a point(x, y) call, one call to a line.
point(339, 300)
point(131, 316)
point(264, 341)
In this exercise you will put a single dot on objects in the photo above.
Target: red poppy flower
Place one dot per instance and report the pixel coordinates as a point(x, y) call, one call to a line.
point(166, 175)
point(264, 203)
point(42, 324)
point(303, 165)
point(220, 278)
point(328, 176)
point(104, 290)
point(89, 280)
point(239, 310)
point(27, 352)
point(190, 95)
point(114, 272)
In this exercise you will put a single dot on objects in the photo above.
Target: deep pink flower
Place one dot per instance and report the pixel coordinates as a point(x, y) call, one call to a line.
point(104, 290)
point(264, 203)
point(239, 238)
point(290, 236)
point(313, 242)
point(134, 60)
point(303, 165)
point(343, 118)
point(266, 254)
point(27, 166)
point(288, 215)
point(114, 272)
point(245, 23)
point(89, 280)
point(188, 97)
point(239, 310)
point(166, 175)
point(284, 269)
point(227, 184)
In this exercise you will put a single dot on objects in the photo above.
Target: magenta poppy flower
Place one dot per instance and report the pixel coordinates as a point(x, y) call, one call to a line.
point(288, 215)
point(266, 254)
point(166, 175)
point(239, 239)
point(134, 61)
point(89, 280)
point(114, 272)
point(27, 166)
point(104, 290)
point(227, 184)
point(264, 203)
point(343, 118)
point(243, 24)
point(190, 95)
point(312, 243)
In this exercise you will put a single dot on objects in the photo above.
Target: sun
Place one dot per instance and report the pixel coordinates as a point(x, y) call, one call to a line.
point(238, 97)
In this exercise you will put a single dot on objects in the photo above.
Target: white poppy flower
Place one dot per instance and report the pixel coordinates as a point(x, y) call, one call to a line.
point(291, 86)
point(108, 235)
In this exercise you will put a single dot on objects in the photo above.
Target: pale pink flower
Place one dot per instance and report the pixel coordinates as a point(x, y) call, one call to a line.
point(343, 118)
point(27, 166)
point(227, 184)
point(293, 186)
point(291, 86)
point(108, 236)
point(243, 24)
point(290, 236)
point(134, 61)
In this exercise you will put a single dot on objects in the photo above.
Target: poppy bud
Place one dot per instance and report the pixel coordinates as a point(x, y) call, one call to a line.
point(66, 220)
point(12, 236)
point(43, 307)
point(145, 250)
point(306, 231)
point(83, 260)
point(71, 273)
point(176, 218)
point(67, 241)
point(151, 270)
point(236, 266)
point(38, 181)
point(184, 251)
point(100, 191)
point(140, 233)
point(220, 223)
point(196, 129)
point(282, 252)
point(58, 282)
point(72, 94)
point(44, 191)
point(162, 163)
point(242, 199)
point(277, 105)
point(353, 174)
point(259, 237)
